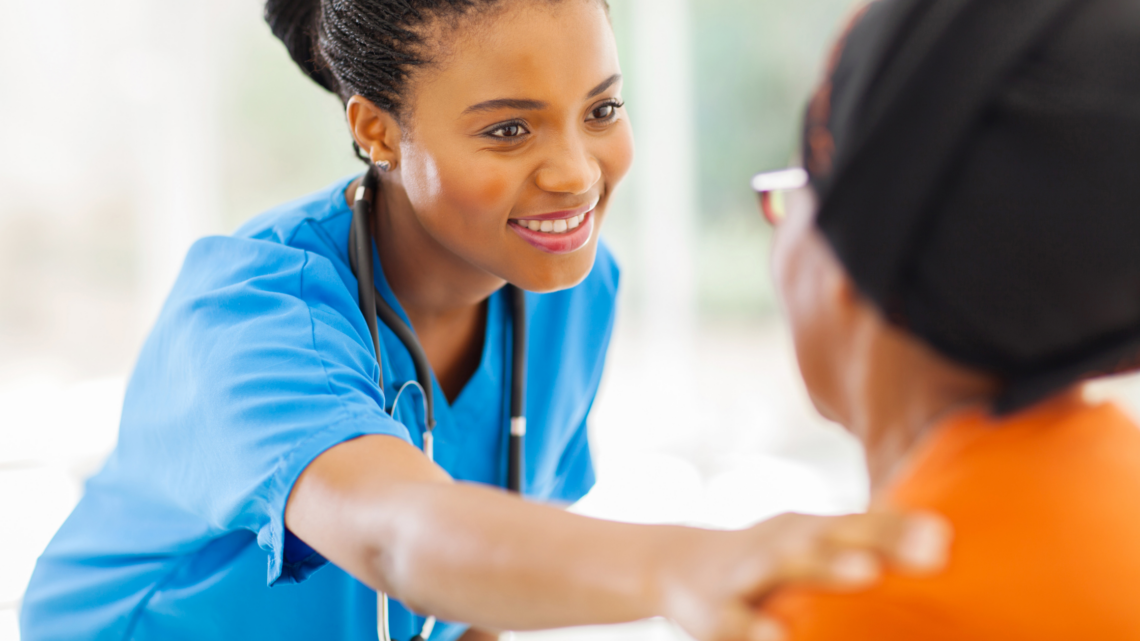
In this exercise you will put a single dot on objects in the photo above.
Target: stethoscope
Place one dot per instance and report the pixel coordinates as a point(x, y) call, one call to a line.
point(373, 306)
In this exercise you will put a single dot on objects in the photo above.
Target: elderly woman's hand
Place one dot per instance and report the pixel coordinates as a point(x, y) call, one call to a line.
point(715, 586)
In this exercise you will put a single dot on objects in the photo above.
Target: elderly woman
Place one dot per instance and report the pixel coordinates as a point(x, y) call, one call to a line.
point(963, 255)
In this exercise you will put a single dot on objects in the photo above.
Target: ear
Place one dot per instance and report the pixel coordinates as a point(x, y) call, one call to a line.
point(375, 130)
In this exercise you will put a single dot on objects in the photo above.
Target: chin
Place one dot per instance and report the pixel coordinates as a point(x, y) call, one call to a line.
point(551, 274)
point(826, 409)
point(822, 409)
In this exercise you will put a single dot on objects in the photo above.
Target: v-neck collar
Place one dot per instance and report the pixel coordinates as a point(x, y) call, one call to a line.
point(485, 376)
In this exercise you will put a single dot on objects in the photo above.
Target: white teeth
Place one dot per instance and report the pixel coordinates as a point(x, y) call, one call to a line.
point(560, 226)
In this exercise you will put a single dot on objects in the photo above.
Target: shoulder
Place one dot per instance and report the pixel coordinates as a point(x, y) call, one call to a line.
point(232, 272)
point(282, 223)
point(283, 276)
point(294, 248)
point(1044, 528)
point(1045, 461)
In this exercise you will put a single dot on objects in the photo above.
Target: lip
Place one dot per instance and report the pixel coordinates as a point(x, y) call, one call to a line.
point(558, 215)
point(565, 243)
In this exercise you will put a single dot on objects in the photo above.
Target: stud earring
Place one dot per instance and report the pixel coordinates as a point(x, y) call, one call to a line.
point(384, 165)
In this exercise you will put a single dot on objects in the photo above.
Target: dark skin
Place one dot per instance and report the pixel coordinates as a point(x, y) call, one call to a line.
point(452, 337)
point(456, 346)
point(517, 121)
point(886, 386)
point(442, 222)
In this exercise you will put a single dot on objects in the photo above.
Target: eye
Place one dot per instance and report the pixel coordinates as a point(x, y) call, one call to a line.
point(508, 131)
point(606, 111)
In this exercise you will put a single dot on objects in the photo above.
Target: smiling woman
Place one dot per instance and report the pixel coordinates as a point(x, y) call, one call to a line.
point(515, 123)
point(267, 481)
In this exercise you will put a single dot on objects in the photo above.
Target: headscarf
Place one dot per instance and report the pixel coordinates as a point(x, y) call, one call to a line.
point(978, 169)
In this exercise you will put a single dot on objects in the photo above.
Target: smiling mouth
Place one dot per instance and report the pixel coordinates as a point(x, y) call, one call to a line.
point(559, 226)
point(555, 235)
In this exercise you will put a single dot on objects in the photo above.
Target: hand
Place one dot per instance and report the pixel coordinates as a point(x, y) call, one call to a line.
point(714, 586)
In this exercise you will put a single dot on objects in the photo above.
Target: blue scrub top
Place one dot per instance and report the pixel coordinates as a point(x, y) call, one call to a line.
point(259, 362)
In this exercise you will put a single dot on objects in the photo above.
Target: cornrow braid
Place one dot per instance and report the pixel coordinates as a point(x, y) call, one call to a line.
point(364, 47)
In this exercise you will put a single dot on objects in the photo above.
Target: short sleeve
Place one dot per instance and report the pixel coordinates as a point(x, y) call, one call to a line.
point(257, 365)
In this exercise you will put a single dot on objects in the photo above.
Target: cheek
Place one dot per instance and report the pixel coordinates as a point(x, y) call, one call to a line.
point(817, 358)
point(457, 196)
point(616, 155)
point(801, 287)
point(420, 175)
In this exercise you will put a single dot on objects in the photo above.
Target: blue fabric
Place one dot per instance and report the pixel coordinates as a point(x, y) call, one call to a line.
point(260, 361)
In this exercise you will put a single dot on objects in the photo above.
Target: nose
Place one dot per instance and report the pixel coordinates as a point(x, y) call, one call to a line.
point(571, 168)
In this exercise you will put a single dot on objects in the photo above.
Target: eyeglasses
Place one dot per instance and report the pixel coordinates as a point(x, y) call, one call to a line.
point(772, 186)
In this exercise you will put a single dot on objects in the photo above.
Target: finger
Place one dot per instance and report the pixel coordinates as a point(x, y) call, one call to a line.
point(742, 623)
point(765, 628)
point(914, 543)
point(808, 549)
point(925, 545)
point(835, 569)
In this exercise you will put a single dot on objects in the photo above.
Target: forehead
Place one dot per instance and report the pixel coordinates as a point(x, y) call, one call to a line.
point(534, 50)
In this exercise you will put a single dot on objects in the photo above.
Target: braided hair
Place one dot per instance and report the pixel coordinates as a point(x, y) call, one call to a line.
point(364, 47)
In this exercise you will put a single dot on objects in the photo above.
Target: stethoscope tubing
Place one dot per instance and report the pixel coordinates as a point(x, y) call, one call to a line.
point(360, 261)
point(515, 471)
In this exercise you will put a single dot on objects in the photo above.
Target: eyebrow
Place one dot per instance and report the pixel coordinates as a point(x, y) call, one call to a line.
point(533, 105)
point(506, 103)
point(606, 84)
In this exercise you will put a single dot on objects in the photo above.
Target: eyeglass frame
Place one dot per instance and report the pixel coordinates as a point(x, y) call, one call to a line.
point(767, 183)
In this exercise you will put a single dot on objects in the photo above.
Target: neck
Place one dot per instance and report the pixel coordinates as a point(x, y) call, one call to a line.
point(443, 295)
point(911, 392)
point(886, 456)
point(894, 432)
point(431, 282)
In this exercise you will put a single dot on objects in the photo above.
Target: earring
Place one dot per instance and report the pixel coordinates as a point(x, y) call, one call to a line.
point(384, 165)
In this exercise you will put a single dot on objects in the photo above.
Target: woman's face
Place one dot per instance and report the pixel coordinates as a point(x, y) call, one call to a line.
point(514, 141)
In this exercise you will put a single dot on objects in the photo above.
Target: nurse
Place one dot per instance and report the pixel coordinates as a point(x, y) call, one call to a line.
point(259, 489)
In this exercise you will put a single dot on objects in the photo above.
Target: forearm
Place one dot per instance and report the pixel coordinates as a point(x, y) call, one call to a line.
point(475, 554)
point(379, 510)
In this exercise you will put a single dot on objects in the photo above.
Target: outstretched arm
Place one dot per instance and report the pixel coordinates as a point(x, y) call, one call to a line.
point(379, 509)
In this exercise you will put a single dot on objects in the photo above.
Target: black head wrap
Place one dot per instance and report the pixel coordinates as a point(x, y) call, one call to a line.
point(978, 167)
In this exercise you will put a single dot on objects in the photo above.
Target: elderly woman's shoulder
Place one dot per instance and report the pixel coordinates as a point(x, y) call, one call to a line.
point(1043, 506)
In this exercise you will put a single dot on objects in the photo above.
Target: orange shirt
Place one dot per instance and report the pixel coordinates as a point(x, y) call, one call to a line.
point(1046, 513)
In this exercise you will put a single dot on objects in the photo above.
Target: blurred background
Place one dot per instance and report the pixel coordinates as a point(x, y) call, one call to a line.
point(130, 128)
